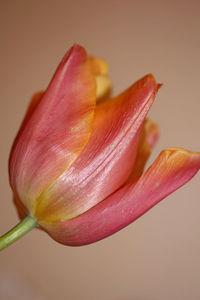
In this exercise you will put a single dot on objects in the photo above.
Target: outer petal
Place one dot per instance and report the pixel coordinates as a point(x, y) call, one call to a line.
point(57, 130)
point(173, 168)
point(107, 160)
point(99, 69)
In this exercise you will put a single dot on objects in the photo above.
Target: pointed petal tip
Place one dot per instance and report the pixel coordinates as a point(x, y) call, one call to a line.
point(75, 50)
point(181, 151)
point(180, 163)
point(151, 77)
point(77, 47)
point(150, 81)
point(181, 155)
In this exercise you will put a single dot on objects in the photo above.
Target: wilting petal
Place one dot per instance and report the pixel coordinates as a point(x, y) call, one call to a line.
point(109, 154)
point(58, 128)
point(173, 168)
point(148, 137)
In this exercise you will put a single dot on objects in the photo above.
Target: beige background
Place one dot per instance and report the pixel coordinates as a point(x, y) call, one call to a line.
point(157, 257)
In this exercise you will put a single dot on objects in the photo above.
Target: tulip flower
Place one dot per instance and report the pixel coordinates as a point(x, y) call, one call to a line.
point(77, 164)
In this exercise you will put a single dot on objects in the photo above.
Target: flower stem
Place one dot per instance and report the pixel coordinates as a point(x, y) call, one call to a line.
point(18, 231)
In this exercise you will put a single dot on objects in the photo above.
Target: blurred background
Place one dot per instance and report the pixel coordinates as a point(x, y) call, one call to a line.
point(157, 257)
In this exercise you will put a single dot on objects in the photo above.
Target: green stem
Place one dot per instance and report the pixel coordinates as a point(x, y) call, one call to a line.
point(18, 231)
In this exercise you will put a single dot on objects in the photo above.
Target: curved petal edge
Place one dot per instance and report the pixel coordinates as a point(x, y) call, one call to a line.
point(172, 169)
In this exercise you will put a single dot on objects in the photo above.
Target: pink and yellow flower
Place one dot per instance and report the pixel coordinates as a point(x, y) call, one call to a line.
point(77, 163)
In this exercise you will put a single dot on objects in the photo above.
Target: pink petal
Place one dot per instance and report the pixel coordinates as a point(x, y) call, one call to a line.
point(173, 168)
point(58, 128)
point(107, 160)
